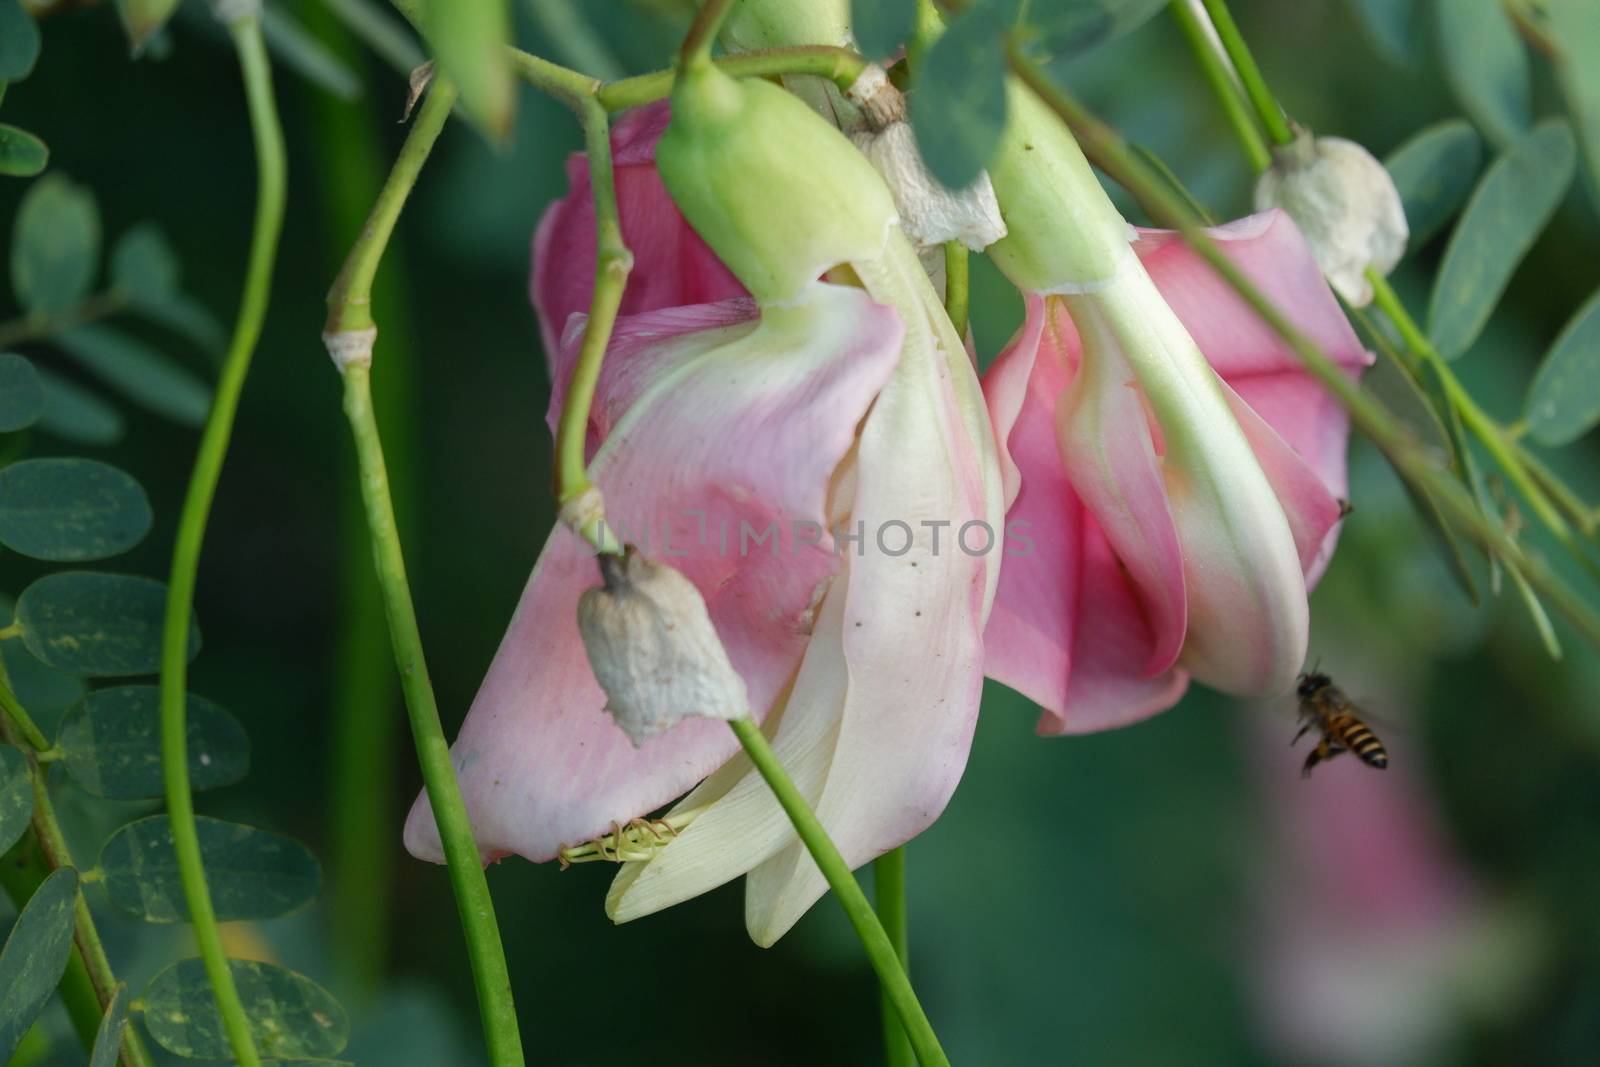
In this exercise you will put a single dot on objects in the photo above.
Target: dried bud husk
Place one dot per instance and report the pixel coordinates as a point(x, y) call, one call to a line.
point(653, 649)
point(1345, 204)
point(930, 214)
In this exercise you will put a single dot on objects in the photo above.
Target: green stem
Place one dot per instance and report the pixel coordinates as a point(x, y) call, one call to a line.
point(1371, 417)
point(889, 896)
point(880, 949)
point(1219, 74)
point(1255, 86)
point(484, 950)
point(365, 695)
point(350, 310)
point(703, 32)
point(839, 65)
point(270, 167)
point(53, 854)
point(36, 328)
point(350, 298)
point(957, 286)
point(613, 261)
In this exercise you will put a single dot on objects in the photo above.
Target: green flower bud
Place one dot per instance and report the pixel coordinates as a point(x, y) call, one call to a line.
point(778, 193)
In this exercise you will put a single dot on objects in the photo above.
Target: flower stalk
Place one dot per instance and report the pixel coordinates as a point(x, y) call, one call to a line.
point(350, 333)
point(881, 951)
point(267, 133)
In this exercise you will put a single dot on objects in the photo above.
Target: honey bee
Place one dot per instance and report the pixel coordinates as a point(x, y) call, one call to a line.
point(1324, 706)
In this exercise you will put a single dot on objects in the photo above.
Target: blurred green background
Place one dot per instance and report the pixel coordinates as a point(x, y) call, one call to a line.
point(1165, 894)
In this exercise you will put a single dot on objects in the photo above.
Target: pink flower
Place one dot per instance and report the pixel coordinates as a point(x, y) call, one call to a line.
point(735, 440)
point(1140, 579)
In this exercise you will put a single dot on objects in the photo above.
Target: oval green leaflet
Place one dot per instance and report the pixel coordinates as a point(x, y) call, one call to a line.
point(1434, 172)
point(108, 1039)
point(21, 394)
point(70, 510)
point(1487, 66)
point(1504, 217)
point(958, 106)
point(22, 155)
point(110, 742)
point(96, 625)
point(1564, 401)
point(55, 246)
point(16, 796)
point(75, 414)
point(253, 874)
point(35, 955)
point(145, 375)
point(290, 1015)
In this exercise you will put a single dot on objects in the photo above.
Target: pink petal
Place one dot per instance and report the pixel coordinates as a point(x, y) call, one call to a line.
point(1067, 629)
point(672, 265)
point(737, 425)
point(913, 634)
point(1248, 354)
point(1109, 454)
point(876, 730)
point(1312, 510)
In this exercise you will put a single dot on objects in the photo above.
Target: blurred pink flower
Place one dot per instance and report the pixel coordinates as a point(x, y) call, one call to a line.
point(1365, 916)
point(1133, 566)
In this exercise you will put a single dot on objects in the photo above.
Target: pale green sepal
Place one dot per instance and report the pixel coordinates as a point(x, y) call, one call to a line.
point(1063, 234)
point(778, 193)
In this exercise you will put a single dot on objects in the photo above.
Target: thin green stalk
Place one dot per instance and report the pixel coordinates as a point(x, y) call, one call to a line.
point(1370, 416)
point(1255, 86)
point(476, 907)
point(880, 949)
point(365, 694)
point(889, 897)
point(34, 327)
point(957, 286)
point(703, 31)
point(839, 65)
point(350, 297)
point(350, 318)
point(270, 191)
point(613, 261)
point(53, 853)
point(1220, 77)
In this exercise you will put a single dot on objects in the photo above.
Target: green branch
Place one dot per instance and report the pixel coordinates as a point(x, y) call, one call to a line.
point(1219, 75)
point(350, 337)
point(1371, 417)
point(880, 949)
point(839, 65)
point(1255, 86)
point(270, 191)
point(89, 983)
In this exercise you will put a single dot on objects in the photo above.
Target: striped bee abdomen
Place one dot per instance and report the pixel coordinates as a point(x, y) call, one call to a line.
point(1356, 736)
